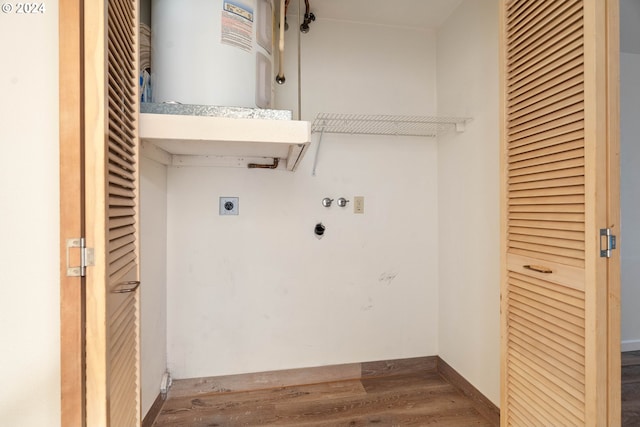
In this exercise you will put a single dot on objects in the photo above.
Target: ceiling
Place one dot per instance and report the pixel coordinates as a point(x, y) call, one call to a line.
point(406, 13)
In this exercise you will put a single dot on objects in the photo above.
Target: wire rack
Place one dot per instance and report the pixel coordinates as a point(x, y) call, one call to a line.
point(386, 124)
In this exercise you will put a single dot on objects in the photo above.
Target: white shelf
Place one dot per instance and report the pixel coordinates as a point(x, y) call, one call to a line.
point(364, 124)
point(183, 140)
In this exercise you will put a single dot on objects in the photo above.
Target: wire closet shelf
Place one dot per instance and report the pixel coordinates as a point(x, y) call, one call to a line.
point(365, 124)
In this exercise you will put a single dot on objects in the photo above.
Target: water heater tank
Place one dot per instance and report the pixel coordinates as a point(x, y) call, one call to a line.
point(213, 52)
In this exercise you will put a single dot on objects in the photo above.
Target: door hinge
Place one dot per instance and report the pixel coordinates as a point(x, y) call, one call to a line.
point(87, 258)
point(607, 242)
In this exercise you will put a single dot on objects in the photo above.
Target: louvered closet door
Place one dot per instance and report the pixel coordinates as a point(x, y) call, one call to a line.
point(111, 172)
point(554, 287)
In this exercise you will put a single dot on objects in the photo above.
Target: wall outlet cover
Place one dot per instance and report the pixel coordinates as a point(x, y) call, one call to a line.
point(229, 205)
point(358, 204)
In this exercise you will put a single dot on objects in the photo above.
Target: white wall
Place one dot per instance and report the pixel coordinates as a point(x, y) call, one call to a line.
point(630, 26)
point(468, 203)
point(259, 291)
point(153, 275)
point(630, 199)
point(29, 220)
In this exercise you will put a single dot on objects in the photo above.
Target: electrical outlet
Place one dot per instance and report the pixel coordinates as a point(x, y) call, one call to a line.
point(229, 205)
point(358, 204)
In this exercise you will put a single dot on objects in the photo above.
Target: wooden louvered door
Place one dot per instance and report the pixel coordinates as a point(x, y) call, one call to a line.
point(559, 307)
point(111, 161)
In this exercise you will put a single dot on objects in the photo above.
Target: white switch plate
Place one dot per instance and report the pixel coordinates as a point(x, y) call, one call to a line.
point(358, 204)
point(229, 205)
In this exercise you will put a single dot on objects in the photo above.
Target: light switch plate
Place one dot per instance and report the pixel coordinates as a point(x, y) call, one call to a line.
point(229, 205)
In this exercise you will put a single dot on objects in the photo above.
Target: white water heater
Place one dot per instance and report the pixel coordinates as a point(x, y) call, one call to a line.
point(213, 52)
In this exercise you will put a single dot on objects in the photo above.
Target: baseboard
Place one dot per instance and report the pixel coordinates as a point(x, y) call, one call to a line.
point(302, 376)
point(481, 403)
point(398, 366)
point(630, 345)
point(153, 413)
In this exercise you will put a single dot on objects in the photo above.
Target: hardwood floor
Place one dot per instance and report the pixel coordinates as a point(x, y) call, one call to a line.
point(382, 397)
point(396, 399)
point(631, 388)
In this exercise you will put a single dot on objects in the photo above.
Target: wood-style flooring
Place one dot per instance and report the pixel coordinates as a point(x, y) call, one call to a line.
point(417, 399)
point(631, 388)
point(401, 398)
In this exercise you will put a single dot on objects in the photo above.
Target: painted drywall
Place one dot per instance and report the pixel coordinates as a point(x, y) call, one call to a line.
point(404, 13)
point(259, 291)
point(29, 220)
point(153, 276)
point(630, 26)
point(630, 199)
point(468, 203)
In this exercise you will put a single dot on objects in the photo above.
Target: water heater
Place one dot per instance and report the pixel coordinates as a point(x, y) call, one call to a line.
point(213, 52)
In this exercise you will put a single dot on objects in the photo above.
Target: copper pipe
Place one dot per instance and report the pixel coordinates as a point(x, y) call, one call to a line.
point(276, 161)
point(308, 17)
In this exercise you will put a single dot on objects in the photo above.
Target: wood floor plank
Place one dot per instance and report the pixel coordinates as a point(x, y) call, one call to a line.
point(241, 400)
point(631, 389)
point(399, 366)
point(421, 380)
point(418, 399)
point(630, 358)
point(417, 403)
point(631, 374)
point(261, 380)
point(389, 393)
point(446, 418)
